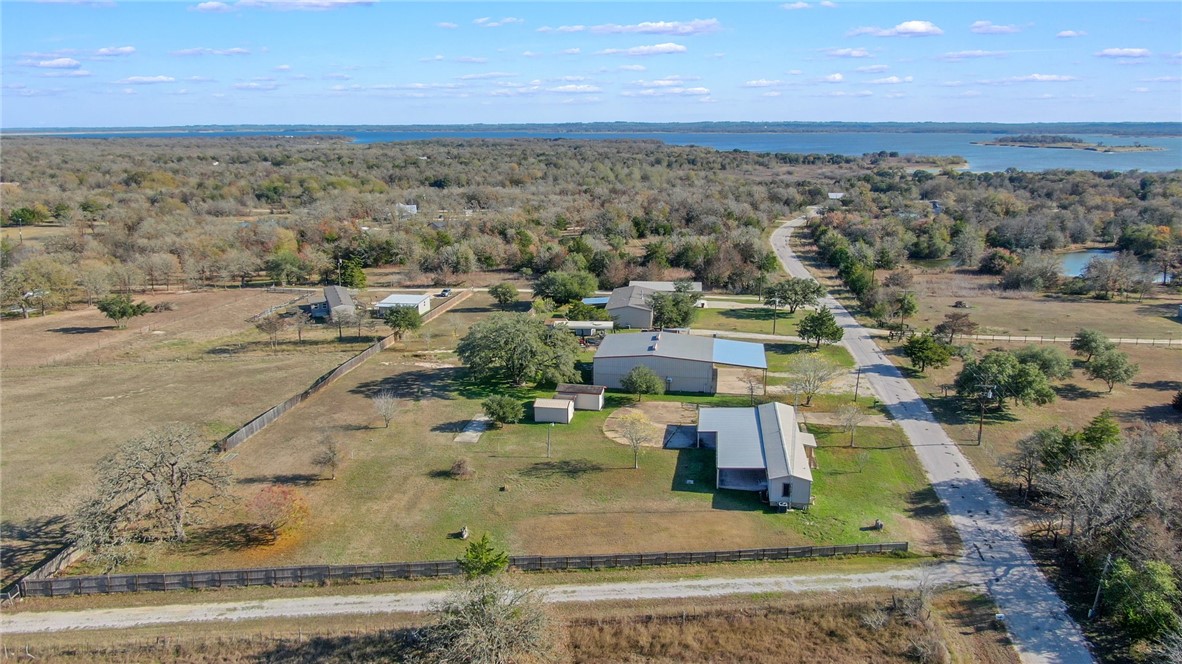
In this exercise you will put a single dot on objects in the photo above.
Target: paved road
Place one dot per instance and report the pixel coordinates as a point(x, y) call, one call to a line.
point(995, 555)
point(125, 618)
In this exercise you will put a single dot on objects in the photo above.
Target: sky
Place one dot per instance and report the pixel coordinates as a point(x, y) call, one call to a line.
point(100, 63)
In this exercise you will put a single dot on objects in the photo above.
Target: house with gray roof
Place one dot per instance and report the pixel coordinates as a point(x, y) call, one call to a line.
point(631, 307)
point(333, 297)
point(686, 363)
point(762, 449)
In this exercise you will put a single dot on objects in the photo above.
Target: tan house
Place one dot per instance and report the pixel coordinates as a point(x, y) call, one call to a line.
point(558, 411)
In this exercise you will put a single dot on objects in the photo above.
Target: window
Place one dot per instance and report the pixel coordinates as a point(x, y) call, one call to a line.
point(787, 489)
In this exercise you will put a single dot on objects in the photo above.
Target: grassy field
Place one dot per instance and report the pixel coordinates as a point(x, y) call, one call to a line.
point(393, 498)
point(748, 319)
point(829, 627)
point(1078, 400)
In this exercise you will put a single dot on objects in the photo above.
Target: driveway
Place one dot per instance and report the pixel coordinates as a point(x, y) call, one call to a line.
point(995, 556)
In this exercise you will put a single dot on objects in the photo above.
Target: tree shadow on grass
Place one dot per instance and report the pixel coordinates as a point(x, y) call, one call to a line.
point(738, 501)
point(286, 479)
point(569, 468)
point(1164, 385)
point(415, 385)
point(221, 539)
point(394, 646)
point(788, 348)
point(455, 426)
point(753, 314)
point(82, 330)
point(28, 543)
point(924, 504)
point(694, 465)
point(953, 410)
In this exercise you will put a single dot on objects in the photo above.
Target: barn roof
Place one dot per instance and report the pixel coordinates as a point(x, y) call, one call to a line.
point(765, 436)
point(684, 347)
point(630, 296)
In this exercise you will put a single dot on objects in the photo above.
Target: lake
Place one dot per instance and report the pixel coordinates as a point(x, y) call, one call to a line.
point(1074, 262)
point(981, 158)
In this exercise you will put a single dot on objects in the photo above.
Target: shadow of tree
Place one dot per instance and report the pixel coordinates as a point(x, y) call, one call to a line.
point(27, 543)
point(231, 537)
point(393, 646)
point(455, 426)
point(418, 384)
point(738, 501)
point(753, 314)
point(82, 330)
point(694, 465)
point(569, 468)
point(288, 479)
point(1072, 392)
point(1164, 385)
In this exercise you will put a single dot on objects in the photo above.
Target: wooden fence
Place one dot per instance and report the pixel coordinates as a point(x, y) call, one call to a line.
point(324, 574)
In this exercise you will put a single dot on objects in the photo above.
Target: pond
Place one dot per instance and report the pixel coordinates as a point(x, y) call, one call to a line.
point(1074, 262)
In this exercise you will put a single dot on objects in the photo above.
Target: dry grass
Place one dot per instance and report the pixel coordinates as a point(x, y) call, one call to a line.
point(753, 629)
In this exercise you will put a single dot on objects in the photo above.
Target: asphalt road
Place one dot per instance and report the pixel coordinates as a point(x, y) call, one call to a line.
point(994, 554)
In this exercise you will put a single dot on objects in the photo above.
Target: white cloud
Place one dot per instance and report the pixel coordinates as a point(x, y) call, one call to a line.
point(632, 68)
point(571, 51)
point(795, 72)
point(1070, 34)
point(431, 58)
point(970, 93)
point(145, 80)
point(576, 88)
point(848, 53)
point(468, 59)
point(1140, 90)
point(761, 83)
point(668, 92)
point(489, 23)
point(486, 75)
point(1124, 53)
point(563, 28)
point(530, 54)
point(666, 82)
point(446, 25)
point(872, 69)
point(1032, 78)
point(56, 63)
point(793, 6)
point(833, 78)
point(990, 28)
point(697, 26)
point(114, 51)
point(772, 93)
point(283, 68)
point(904, 29)
point(65, 73)
point(967, 55)
point(338, 76)
point(200, 79)
point(827, 4)
point(655, 49)
point(212, 7)
point(842, 93)
point(211, 51)
point(951, 84)
point(256, 86)
point(1162, 79)
point(891, 80)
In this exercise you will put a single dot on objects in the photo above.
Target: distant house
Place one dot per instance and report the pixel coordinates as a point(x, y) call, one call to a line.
point(760, 449)
point(836, 195)
point(666, 286)
point(558, 411)
point(686, 363)
point(420, 302)
point(406, 210)
point(630, 307)
point(584, 328)
point(332, 297)
point(585, 397)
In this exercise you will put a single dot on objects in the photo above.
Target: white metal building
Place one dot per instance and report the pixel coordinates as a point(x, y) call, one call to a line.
point(630, 307)
point(420, 302)
point(584, 328)
point(760, 449)
point(666, 286)
point(686, 363)
point(559, 411)
point(586, 397)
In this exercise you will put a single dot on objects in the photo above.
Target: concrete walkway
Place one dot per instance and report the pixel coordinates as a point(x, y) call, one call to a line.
point(995, 556)
point(474, 429)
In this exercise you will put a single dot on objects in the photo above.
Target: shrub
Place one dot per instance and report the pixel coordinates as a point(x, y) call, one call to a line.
point(462, 470)
point(503, 409)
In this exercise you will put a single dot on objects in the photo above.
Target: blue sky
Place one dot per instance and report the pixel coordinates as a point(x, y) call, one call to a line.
point(102, 63)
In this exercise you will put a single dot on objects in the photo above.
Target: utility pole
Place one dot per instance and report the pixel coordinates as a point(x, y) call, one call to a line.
point(1099, 587)
point(548, 430)
point(857, 384)
point(981, 420)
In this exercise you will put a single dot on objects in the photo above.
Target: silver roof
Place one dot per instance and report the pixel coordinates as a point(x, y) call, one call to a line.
point(666, 286)
point(337, 296)
point(765, 436)
point(402, 299)
point(738, 436)
point(630, 296)
point(684, 347)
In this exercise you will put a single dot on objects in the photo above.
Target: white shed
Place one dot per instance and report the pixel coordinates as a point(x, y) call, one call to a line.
point(420, 302)
point(559, 411)
point(586, 397)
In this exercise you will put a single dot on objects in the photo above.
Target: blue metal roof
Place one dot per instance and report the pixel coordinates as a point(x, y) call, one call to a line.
point(739, 354)
point(595, 301)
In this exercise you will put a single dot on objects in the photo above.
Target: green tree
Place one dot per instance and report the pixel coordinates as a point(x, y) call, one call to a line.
point(26, 216)
point(402, 320)
point(481, 558)
point(999, 376)
point(954, 324)
point(517, 348)
point(285, 267)
point(1052, 362)
point(924, 350)
point(676, 309)
point(580, 311)
point(820, 326)
point(352, 276)
point(503, 409)
point(904, 305)
point(121, 309)
point(799, 292)
point(504, 293)
point(1112, 367)
point(1090, 343)
point(1143, 599)
point(1103, 431)
point(565, 287)
point(641, 380)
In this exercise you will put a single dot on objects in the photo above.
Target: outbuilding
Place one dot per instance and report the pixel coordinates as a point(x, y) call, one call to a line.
point(631, 307)
point(685, 362)
point(332, 298)
point(667, 286)
point(761, 449)
point(421, 303)
point(584, 328)
point(585, 397)
point(558, 411)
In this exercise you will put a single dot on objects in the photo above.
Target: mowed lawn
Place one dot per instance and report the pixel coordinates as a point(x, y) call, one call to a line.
point(393, 498)
point(748, 319)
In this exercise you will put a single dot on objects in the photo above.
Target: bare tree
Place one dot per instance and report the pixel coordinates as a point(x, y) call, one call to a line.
point(752, 384)
point(271, 325)
point(385, 404)
point(299, 321)
point(810, 373)
point(329, 457)
point(634, 427)
point(850, 416)
point(486, 620)
point(343, 316)
point(161, 480)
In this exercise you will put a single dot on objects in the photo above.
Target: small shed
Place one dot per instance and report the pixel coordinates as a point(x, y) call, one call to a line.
point(585, 328)
point(585, 397)
point(422, 303)
point(559, 411)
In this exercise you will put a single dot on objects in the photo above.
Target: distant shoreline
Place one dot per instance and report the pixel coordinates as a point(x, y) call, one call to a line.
point(1091, 147)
